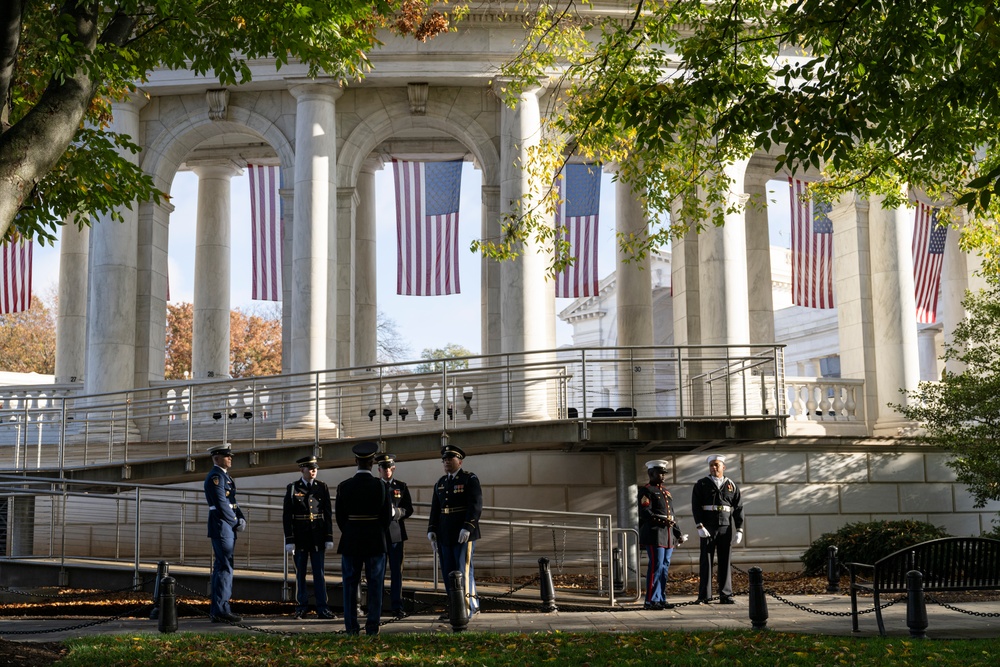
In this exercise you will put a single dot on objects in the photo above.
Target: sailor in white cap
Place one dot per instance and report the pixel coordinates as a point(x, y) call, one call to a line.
point(718, 513)
point(225, 519)
point(658, 533)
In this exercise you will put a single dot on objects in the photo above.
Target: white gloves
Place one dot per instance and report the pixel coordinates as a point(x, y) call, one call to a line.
point(328, 546)
point(463, 536)
point(683, 539)
point(289, 548)
point(702, 531)
point(739, 536)
point(432, 537)
point(241, 525)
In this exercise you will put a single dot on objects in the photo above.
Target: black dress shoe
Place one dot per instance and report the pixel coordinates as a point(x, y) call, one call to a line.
point(326, 614)
point(727, 600)
point(399, 614)
point(300, 614)
point(701, 601)
point(226, 618)
point(666, 605)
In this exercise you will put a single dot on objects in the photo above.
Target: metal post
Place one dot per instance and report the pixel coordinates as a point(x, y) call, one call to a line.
point(545, 586)
point(916, 610)
point(138, 535)
point(832, 571)
point(618, 571)
point(758, 600)
point(162, 570)
point(168, 605)
point(458, 606)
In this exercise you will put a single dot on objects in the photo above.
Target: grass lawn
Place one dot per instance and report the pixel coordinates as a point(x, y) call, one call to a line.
point(725, 648)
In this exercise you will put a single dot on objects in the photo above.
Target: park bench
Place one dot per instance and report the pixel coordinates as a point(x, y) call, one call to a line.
point(947, 564)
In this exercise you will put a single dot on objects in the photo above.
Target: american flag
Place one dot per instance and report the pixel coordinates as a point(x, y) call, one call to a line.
point(928, 254)
point(812, 250)
point(576, 223)
point(265, 223)
point(15, 267)
point(427, 197)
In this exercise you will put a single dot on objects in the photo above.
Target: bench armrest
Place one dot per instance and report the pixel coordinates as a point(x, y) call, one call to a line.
point(854, 567)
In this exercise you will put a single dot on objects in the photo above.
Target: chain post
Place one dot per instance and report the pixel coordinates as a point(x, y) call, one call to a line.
point(916, 610)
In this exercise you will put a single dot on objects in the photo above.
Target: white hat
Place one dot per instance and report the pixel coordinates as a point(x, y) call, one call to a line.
point(659, 463)
point(716, 457)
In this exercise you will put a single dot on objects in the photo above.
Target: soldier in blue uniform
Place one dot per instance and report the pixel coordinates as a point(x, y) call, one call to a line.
point(307, 517)
point(456, 506)
point(402, 509)
point(225, 519)
point(363, 511)
point(718, 513)
point(658, 534)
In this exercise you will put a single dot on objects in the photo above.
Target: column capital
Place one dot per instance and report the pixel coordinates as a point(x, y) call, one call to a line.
point(491, 197)
point(314, 89)
point(214, 167)
point(499, 86)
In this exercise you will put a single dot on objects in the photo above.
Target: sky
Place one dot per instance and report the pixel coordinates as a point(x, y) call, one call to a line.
point(423, 322)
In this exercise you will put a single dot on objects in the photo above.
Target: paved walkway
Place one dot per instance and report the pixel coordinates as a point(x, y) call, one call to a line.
point(943, 623)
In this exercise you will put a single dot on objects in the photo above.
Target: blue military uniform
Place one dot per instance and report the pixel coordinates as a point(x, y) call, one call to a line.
point(225, 519)
point(456, 506)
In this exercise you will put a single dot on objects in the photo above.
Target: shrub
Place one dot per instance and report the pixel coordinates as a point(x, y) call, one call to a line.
point(867, 542)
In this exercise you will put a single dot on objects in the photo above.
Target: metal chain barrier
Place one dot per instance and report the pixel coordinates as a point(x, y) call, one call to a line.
point(970, 612)
point(820, 612)
point(143, 610)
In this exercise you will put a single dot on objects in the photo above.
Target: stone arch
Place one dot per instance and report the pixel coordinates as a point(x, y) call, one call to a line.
point(396, 118)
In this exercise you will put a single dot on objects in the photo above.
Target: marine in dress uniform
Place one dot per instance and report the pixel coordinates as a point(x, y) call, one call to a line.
point(307, 517)
point(456, 506)
point(225, 519)
point(658, 534)
point(363, 511)
point(402, 509)
point(718, 513)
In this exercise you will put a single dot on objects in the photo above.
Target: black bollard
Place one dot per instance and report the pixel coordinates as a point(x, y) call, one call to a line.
point(832, 571)
point(758, 599)
point(545, 586)
point(162, 570)
point(618, 574)
point(916, 610)
point(458, 606)
point(168, 605)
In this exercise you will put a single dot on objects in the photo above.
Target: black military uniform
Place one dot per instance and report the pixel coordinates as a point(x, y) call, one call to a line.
point(363, 511)
point(718, 511)
point(454, 523)
point(307, 517)
point(402, 509)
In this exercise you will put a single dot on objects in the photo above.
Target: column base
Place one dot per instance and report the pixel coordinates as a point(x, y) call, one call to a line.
point(895, 427)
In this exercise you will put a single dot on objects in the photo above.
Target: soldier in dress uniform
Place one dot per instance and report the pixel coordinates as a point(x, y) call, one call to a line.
point(456, 506)
point(363, 511)
point(402, 508)
point(225, 519)
point(718, 513)
point(658, 534)
point(307, 516)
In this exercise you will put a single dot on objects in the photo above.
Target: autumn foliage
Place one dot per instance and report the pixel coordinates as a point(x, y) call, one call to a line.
point(28, 339)
point(254, 348)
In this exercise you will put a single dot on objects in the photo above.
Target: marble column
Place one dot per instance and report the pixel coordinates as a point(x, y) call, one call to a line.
point(314, 239)
point(928, 353)
point(634, 306)
point(365, 320)
point(758, 243)
point(343, 280)
point(212, 259)
point(894, 309)
point(685, 285)
point(954, 283)
point(527, 299)
point(490, 325)
point(725, 316)
point(111, 307)
point(71, 322)
point(151, 292)
point(287, 230)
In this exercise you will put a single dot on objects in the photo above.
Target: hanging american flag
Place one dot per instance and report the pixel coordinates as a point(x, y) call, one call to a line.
point(812, 250)
point(576, 223)
point(427, 197)
point(928, 255)
point(15, 268)
point(265, 223)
